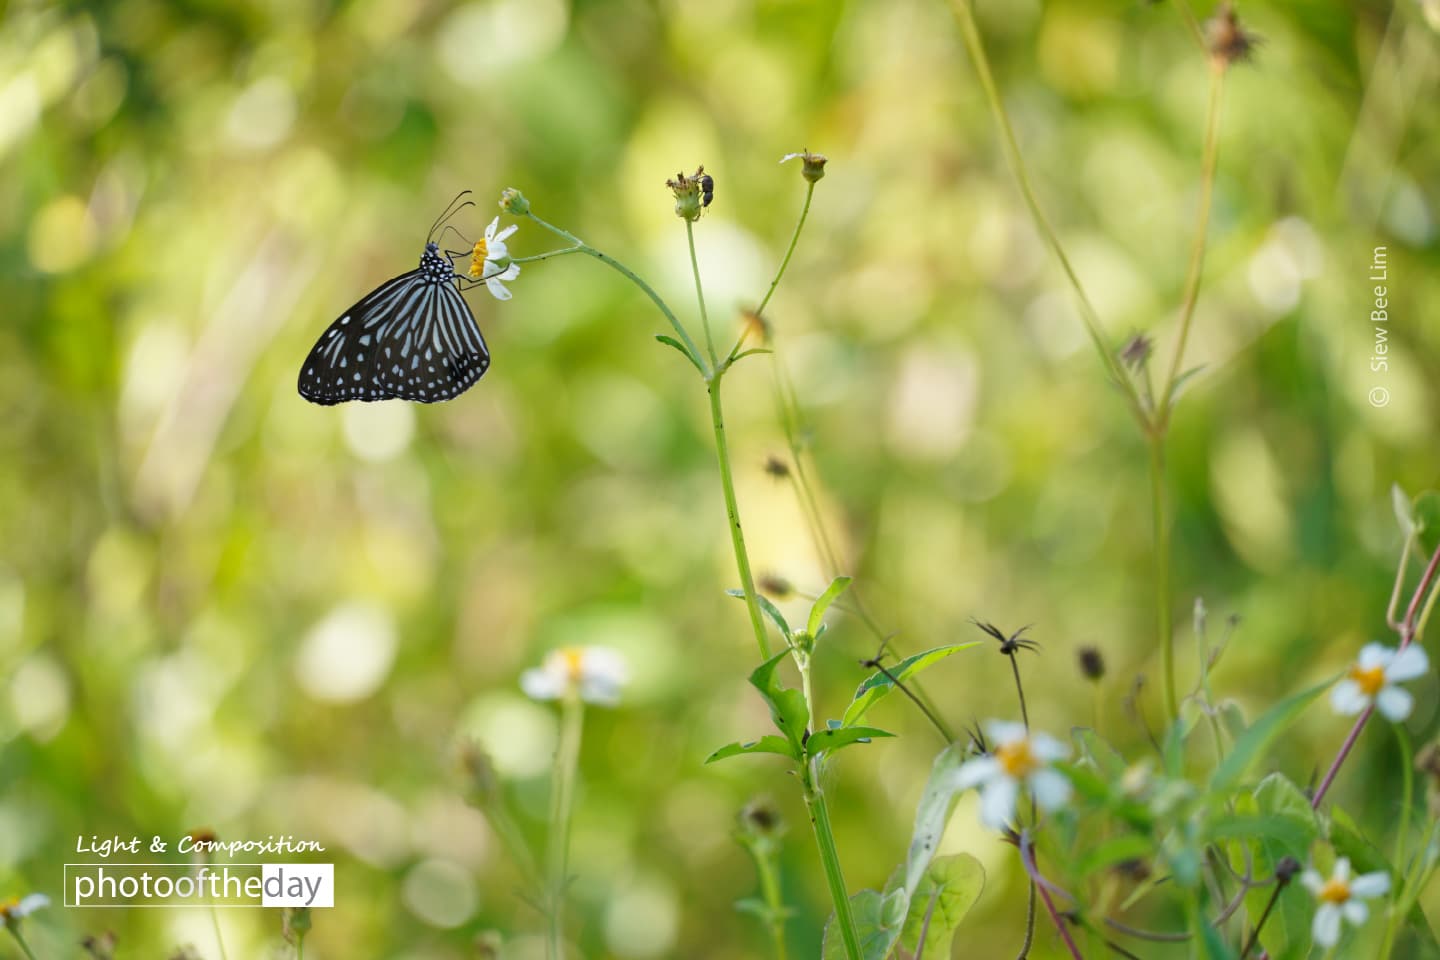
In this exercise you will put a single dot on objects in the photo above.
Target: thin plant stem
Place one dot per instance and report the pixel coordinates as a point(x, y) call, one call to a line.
point(1027, 857)
point(24, 947)
point(1407, 786)
point(794, 239)
point(830, 859)
point(1254, 937)
point(700, 296)
point(1339, 760)
point(970, 33)
point(1160, 524)
point(567, 756)
point(774, 903)
point(1029, 939)
point(1209, 159)
point(583, 247)
point(219, 939)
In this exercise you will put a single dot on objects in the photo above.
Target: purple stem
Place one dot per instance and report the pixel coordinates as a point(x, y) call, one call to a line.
point(1027, 857)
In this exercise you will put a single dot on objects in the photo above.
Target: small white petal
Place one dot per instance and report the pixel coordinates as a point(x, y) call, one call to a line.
point(1348, 698)
point(29, 904)
point(1326, 929)
point(511, 272)
point(1355, 911)
point(1312, 881)
point(604, 663)
point(600, 691)
point(496, 250)
point(1369, 885)
point(1050, 788)
point(1004, 731)
point(997, 803)
point(979, 770)
point(791, 156)
point(1342, 870)
point(1407, 665)
point(540, 684)
point(1375, 655)
point(497, 289)
point(1395, 703)
point(505, 234)
point(1047, 748)
point(490, 230)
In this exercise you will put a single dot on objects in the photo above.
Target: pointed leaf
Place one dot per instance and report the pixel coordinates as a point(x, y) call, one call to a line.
point(879, 919)
point(672, 342)
point(946, 892)
point(787, 707)
point(817, 612)
point(880, 684)
point(1181, 380)
point(1260, 735)
point(828, 741)
point(771, 611)
point(766, 744)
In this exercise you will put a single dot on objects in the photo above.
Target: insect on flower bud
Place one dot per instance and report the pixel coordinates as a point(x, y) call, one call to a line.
point(513, 202)
point(812, 165)
point(691, 196)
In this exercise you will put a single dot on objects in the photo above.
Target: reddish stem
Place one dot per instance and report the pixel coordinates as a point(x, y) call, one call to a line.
point(1027, 857)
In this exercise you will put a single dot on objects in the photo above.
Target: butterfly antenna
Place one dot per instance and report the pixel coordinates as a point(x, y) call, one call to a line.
point(449, 211)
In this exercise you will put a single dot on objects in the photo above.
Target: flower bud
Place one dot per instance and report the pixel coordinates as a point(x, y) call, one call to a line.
point(513, 202)
point(1228, 41)
point(690, 193)
point(812, 165)
point(295, 923)
point(1092, 664)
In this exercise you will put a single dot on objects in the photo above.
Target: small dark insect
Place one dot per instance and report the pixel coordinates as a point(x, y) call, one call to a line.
point(411, 338)
point(707, 188)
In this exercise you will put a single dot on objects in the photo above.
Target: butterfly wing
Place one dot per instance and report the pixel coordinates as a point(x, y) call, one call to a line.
point(434, 352)
point(413, 338)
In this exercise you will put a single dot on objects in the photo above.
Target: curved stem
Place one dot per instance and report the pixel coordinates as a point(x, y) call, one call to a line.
point(1027, 858)
point(794, 239)
point(585, 248)
point(24, 947)
point(1197, 249)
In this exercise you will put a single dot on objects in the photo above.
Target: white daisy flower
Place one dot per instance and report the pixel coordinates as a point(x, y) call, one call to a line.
point(487, 257)
point(594, 674)
point(1371, 681)
point(1019, 759)
point(17, 908)
point(1340, 896)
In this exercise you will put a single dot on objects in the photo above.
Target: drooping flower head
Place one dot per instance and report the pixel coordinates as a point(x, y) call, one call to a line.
point(1341, 896)
point(594, 674)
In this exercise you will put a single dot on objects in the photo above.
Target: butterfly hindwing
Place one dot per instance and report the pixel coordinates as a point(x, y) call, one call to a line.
point(412, 338)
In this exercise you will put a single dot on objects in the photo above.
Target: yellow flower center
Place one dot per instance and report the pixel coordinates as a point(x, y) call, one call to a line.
point(573, 658)
point(1335, 891)
point(1016, 758)
point(8, 906)
point(477, 259)
point(1369, 680)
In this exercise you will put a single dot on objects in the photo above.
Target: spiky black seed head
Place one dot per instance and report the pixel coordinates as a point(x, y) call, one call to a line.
point(1010, 644)
point(1092, 663)
point(1229, 42)
point(1286, 869)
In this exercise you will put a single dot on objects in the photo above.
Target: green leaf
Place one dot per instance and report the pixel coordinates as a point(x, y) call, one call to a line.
point(1181, 380)
point(1286, 826)
point(670, 341)
point(1098, 752)
point(817, 612)
point(952, 884)
point(1249, 747)
point(1131, 846)
point(787, 707)
point(766, 744)
point(1404, 512)
point(932, 813)
point(828, 741)
point(771, 611)
point(879, 919)
point(879, 685)
point(1215, 947)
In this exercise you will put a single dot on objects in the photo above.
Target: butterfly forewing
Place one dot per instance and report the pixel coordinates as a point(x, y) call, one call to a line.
point(412, 338)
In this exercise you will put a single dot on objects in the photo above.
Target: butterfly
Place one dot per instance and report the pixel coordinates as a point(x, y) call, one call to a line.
point(411, 338)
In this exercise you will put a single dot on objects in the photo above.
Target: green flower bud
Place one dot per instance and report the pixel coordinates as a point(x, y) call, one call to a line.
point(690, 193)
point(812, 165)
point(513, 202)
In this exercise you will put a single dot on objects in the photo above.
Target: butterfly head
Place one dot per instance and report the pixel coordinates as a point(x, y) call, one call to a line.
point(435, 267)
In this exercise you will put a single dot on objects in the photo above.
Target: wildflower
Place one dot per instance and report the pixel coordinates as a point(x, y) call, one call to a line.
point(1009, 645)
point(1371, 681)
point(1092, 663)
point(812, 165)
point(513, 202)
point(1019, 759)
point(594, 674)
point(15, 909)
point(1228, 41)
point(1340, 896)
point(490, 260)
point(690, 192)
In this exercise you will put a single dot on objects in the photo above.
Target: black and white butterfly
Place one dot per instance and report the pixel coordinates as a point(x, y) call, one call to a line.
point(412, 338)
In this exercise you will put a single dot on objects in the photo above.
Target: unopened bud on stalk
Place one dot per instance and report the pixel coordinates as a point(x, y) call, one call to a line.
point(513, 202)
point(691, 193)
point(812, 165)
point(1228, 41)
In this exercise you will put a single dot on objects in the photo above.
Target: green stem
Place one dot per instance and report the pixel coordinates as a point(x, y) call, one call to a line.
point(300, 949)
point(24, 947)
point(582, 247)
point(215, 922)
point(1160, 521)
point(970, 32)
point(1197, 248)
point(794, 239)
point(732, 514)
point(770, 891)
point(535, 258)
point(700, 296)
point(1407, 786)
point(830, 859)
point(562, 799)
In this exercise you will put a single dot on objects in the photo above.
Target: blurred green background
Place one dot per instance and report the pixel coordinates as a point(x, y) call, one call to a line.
point(222, 606)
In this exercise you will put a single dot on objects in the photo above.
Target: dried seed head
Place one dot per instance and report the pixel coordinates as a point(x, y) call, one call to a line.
point(760, 819)
point(1092, 664)
point(1286, 869)
point(690, 193)
point(812, 165)
point(101, 947)
point(1228, 40)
